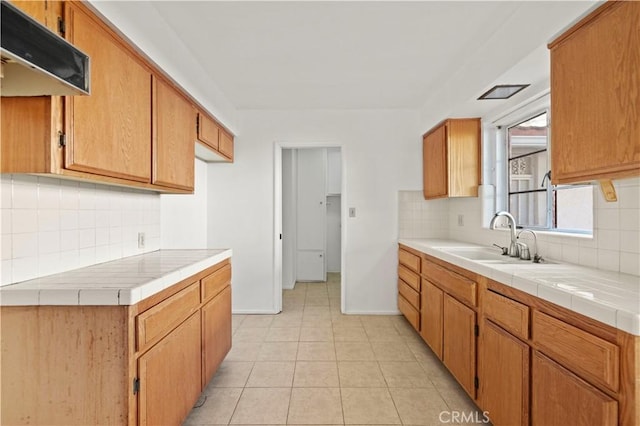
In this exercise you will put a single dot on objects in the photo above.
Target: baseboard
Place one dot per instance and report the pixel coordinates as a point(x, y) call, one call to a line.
point(373, 313)
point(253, 312)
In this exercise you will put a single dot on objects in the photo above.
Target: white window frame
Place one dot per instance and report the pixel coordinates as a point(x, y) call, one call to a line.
point(520, 114)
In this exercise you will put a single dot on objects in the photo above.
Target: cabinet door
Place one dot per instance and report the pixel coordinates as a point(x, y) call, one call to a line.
point(174, 137)
point(208, 131)
point(561, 398)
point(504, 377)
point(226, 144)
point(459, 342)
point(216, 333)
point(170, 376)
point(431, 316)
point(434, 163)
point(109, 132)
point(46, 12)
point(594, 85)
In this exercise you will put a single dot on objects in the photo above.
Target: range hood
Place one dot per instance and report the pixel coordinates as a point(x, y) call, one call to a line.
point(36, 61)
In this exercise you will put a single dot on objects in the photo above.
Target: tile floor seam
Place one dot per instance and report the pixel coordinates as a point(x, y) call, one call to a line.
point(381, 328)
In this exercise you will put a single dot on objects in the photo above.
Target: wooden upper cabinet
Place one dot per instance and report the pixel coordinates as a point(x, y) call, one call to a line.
point(226, 144)
point(434, 157)
point(173, 137)
point(595, 106)
point(109, 132)
point(208, 131)
point(451, 159)
point(216, 144)
point(47, 12)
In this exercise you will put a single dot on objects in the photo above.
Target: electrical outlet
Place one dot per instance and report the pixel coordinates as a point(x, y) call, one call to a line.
point(141, 240)
point(460, 220)
point(352, 212)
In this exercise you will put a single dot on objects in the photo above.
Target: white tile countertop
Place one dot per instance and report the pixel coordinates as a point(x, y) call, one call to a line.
point(609, 297)
point(120, 282)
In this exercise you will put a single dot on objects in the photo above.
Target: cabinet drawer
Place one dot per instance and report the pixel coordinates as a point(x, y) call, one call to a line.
point(509, 314)
point(589, 356)
point(159, 320)
point(410, 260)
point(412, 315)
point(409, 277)
point(216, 282)
point(409, 294)
point(455, 284)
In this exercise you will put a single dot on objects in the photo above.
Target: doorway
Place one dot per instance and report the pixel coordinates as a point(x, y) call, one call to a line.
point(309, 217)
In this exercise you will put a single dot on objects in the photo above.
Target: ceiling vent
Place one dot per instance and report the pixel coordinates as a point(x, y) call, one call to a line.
point(503, 91)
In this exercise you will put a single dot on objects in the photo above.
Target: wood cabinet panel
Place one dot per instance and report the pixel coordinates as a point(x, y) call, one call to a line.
point(173, 137)
point(216, 282)
point(434, 160)
point(167, 393)
point(409, 277)
point(45, 12)
point(409, 260)
point(432, 299)
point(109, 132)
point(560, 398)
point(208, 131)
point(154, 323)
point(216, 333)
point(459, 342)
point(509, 314)
point(587, 355)
point(28, 120)
point(411, 314)
point(503, 371)
point(451, 158)
point(53, 357)
point(595, 81)
point(226, 144)
point(461, 287)
point(409, 293)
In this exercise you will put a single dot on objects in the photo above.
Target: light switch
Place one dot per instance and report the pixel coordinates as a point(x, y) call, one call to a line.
point(352, 212)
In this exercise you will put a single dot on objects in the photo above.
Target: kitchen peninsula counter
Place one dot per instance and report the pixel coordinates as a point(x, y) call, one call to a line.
point(125, 281)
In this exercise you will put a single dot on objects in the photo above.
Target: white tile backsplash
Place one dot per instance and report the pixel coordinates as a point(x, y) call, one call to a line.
point(51, 225)
point(614, 246)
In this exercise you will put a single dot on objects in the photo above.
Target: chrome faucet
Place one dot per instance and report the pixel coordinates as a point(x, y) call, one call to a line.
point(513, 250)
point(525, 254)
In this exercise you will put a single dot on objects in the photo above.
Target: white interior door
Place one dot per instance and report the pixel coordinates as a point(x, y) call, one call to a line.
point(311, 215)
point(334, 233)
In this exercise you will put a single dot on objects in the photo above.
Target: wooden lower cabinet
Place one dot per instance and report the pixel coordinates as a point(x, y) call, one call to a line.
point(561, 398)
point(459, 342)
point(141, 364)
point(216, 333)
point(167, 373)
point(522, 359)
point(431, 316)
point(504, 371)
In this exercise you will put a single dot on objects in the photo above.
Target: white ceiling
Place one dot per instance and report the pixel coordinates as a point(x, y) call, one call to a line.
point(383, 54)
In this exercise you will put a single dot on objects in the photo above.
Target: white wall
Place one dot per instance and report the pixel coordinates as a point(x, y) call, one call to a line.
point(184, 216)
point(54, 225)
point(379, 152)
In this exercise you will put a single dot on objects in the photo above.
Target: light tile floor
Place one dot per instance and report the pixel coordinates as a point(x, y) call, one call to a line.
point(312, 365)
